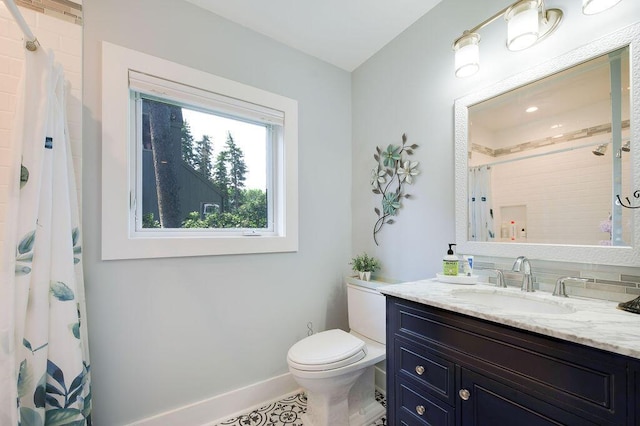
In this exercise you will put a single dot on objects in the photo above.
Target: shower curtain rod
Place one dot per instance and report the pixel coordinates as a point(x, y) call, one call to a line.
point(31, 42)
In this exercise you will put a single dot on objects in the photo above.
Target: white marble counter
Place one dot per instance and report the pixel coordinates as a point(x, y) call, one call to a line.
point(594, 323)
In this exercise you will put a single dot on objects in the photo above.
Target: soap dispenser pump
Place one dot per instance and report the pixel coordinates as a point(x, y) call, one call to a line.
point(450, 262)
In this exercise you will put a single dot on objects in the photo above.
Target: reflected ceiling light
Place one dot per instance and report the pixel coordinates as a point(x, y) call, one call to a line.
point(591, 7)
point(532, 109)
point(528, 22)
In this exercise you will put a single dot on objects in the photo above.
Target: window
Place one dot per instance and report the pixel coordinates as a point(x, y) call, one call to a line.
point(193, 164)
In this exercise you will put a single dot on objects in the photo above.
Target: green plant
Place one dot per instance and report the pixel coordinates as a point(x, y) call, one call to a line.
point(364, 263)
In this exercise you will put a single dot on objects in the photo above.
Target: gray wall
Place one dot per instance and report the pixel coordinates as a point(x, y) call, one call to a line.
point(168, 332)
point(409, 86)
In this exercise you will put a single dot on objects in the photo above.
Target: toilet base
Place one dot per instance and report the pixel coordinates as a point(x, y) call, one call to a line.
point(367, 415)
point(364, 409)
point(352, 404)
point(328, 399)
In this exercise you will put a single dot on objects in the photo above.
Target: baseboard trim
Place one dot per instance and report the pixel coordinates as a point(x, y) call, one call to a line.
point(212, 411)
point(222, 407)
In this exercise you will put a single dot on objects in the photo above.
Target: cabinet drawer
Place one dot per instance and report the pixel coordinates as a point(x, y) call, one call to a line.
point(417, 409)
point(436, 374)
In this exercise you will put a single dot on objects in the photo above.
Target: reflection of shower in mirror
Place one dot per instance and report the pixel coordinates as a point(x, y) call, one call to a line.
point(600, 150)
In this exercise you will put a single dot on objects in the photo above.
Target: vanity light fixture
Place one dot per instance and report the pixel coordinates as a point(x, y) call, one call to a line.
point(467, 54)
point(627, 146)
point(591, 7)
point(528, 22)
point(522, 25)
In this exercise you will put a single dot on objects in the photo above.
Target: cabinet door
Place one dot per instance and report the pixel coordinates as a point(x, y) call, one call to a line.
point(486, 402)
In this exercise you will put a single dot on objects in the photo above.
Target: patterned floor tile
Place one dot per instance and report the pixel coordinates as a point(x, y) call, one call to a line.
point(286, 412)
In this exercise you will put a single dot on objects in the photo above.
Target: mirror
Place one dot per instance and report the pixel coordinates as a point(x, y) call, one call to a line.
point(543, 157)
point(548, 150)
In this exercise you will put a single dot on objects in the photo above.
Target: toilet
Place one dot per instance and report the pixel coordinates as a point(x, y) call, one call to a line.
point(337, 369)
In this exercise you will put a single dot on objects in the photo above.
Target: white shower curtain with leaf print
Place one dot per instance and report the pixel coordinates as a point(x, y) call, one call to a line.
point(44, 360)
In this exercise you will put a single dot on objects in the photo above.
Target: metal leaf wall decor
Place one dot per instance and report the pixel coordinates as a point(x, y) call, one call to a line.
point(393, 171)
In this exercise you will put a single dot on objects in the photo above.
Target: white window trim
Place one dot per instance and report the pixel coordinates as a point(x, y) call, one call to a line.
point(118, 239)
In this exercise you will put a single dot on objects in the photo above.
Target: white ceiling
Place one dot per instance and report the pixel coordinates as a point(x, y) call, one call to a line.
point(342, 32)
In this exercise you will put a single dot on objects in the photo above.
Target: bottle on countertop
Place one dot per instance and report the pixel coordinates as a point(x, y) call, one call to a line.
point(450, 262)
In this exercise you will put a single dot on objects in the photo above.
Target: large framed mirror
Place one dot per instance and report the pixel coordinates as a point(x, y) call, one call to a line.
point(548, 161)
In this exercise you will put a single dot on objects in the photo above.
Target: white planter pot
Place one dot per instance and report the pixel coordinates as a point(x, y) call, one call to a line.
point(365, 276)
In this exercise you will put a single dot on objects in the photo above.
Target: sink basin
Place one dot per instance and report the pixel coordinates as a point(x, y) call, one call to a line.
point(513, 302)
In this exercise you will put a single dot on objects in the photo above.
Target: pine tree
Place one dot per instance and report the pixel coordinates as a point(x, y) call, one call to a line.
point(220, 174)
point(237, 169)
point(203, 155)
point(188, 154)
point(165, 123)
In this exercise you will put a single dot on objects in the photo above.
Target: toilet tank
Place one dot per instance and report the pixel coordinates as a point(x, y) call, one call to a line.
point(367, 310)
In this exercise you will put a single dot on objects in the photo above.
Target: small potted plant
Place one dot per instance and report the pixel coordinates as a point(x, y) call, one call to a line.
point(364, 265)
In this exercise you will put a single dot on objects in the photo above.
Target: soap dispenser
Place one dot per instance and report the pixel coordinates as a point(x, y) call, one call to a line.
point(450, 262)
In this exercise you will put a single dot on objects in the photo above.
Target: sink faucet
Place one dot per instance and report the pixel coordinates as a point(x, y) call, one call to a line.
point(522, 265)
point(560, 289)
point(499, 278)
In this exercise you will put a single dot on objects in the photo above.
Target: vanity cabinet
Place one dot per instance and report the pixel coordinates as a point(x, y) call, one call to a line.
point(445, 368)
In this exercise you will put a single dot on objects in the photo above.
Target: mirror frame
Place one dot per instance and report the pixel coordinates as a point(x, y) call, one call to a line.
point(606, 255)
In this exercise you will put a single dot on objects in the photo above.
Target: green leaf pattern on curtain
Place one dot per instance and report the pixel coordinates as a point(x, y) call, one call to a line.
point(61, 291)
point(24, 253)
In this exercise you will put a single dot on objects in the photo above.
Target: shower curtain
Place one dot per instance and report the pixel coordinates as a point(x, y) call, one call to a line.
point(44, 361)
point(480, 209)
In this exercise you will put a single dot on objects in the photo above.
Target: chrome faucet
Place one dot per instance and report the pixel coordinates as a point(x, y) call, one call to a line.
point(522, 265)
point(560, 289)
point(499, 278)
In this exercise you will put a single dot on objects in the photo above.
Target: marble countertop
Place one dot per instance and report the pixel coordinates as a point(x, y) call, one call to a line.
point(594, 323)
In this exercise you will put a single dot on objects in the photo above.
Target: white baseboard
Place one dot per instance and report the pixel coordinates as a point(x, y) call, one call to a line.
point(240, 401)
point(222, 407)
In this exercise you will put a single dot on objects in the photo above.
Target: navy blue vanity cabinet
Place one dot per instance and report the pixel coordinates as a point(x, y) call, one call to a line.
point(445, 368)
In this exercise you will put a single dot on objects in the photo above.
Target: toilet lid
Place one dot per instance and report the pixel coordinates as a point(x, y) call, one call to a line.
point(326, 350)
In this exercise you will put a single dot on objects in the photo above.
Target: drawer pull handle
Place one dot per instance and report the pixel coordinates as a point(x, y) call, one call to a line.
point(420, 410)
point(419, 370)
point(464, 394)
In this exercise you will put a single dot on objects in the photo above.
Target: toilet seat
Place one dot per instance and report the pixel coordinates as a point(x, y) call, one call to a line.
point(326, 351)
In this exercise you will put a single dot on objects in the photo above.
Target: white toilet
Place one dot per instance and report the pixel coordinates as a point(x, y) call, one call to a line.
point(336, 368)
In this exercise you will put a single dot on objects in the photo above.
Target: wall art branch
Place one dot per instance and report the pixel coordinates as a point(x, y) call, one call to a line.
point(393, 171)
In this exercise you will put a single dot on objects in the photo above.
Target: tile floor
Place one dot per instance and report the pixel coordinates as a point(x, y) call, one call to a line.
point(285, 412)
